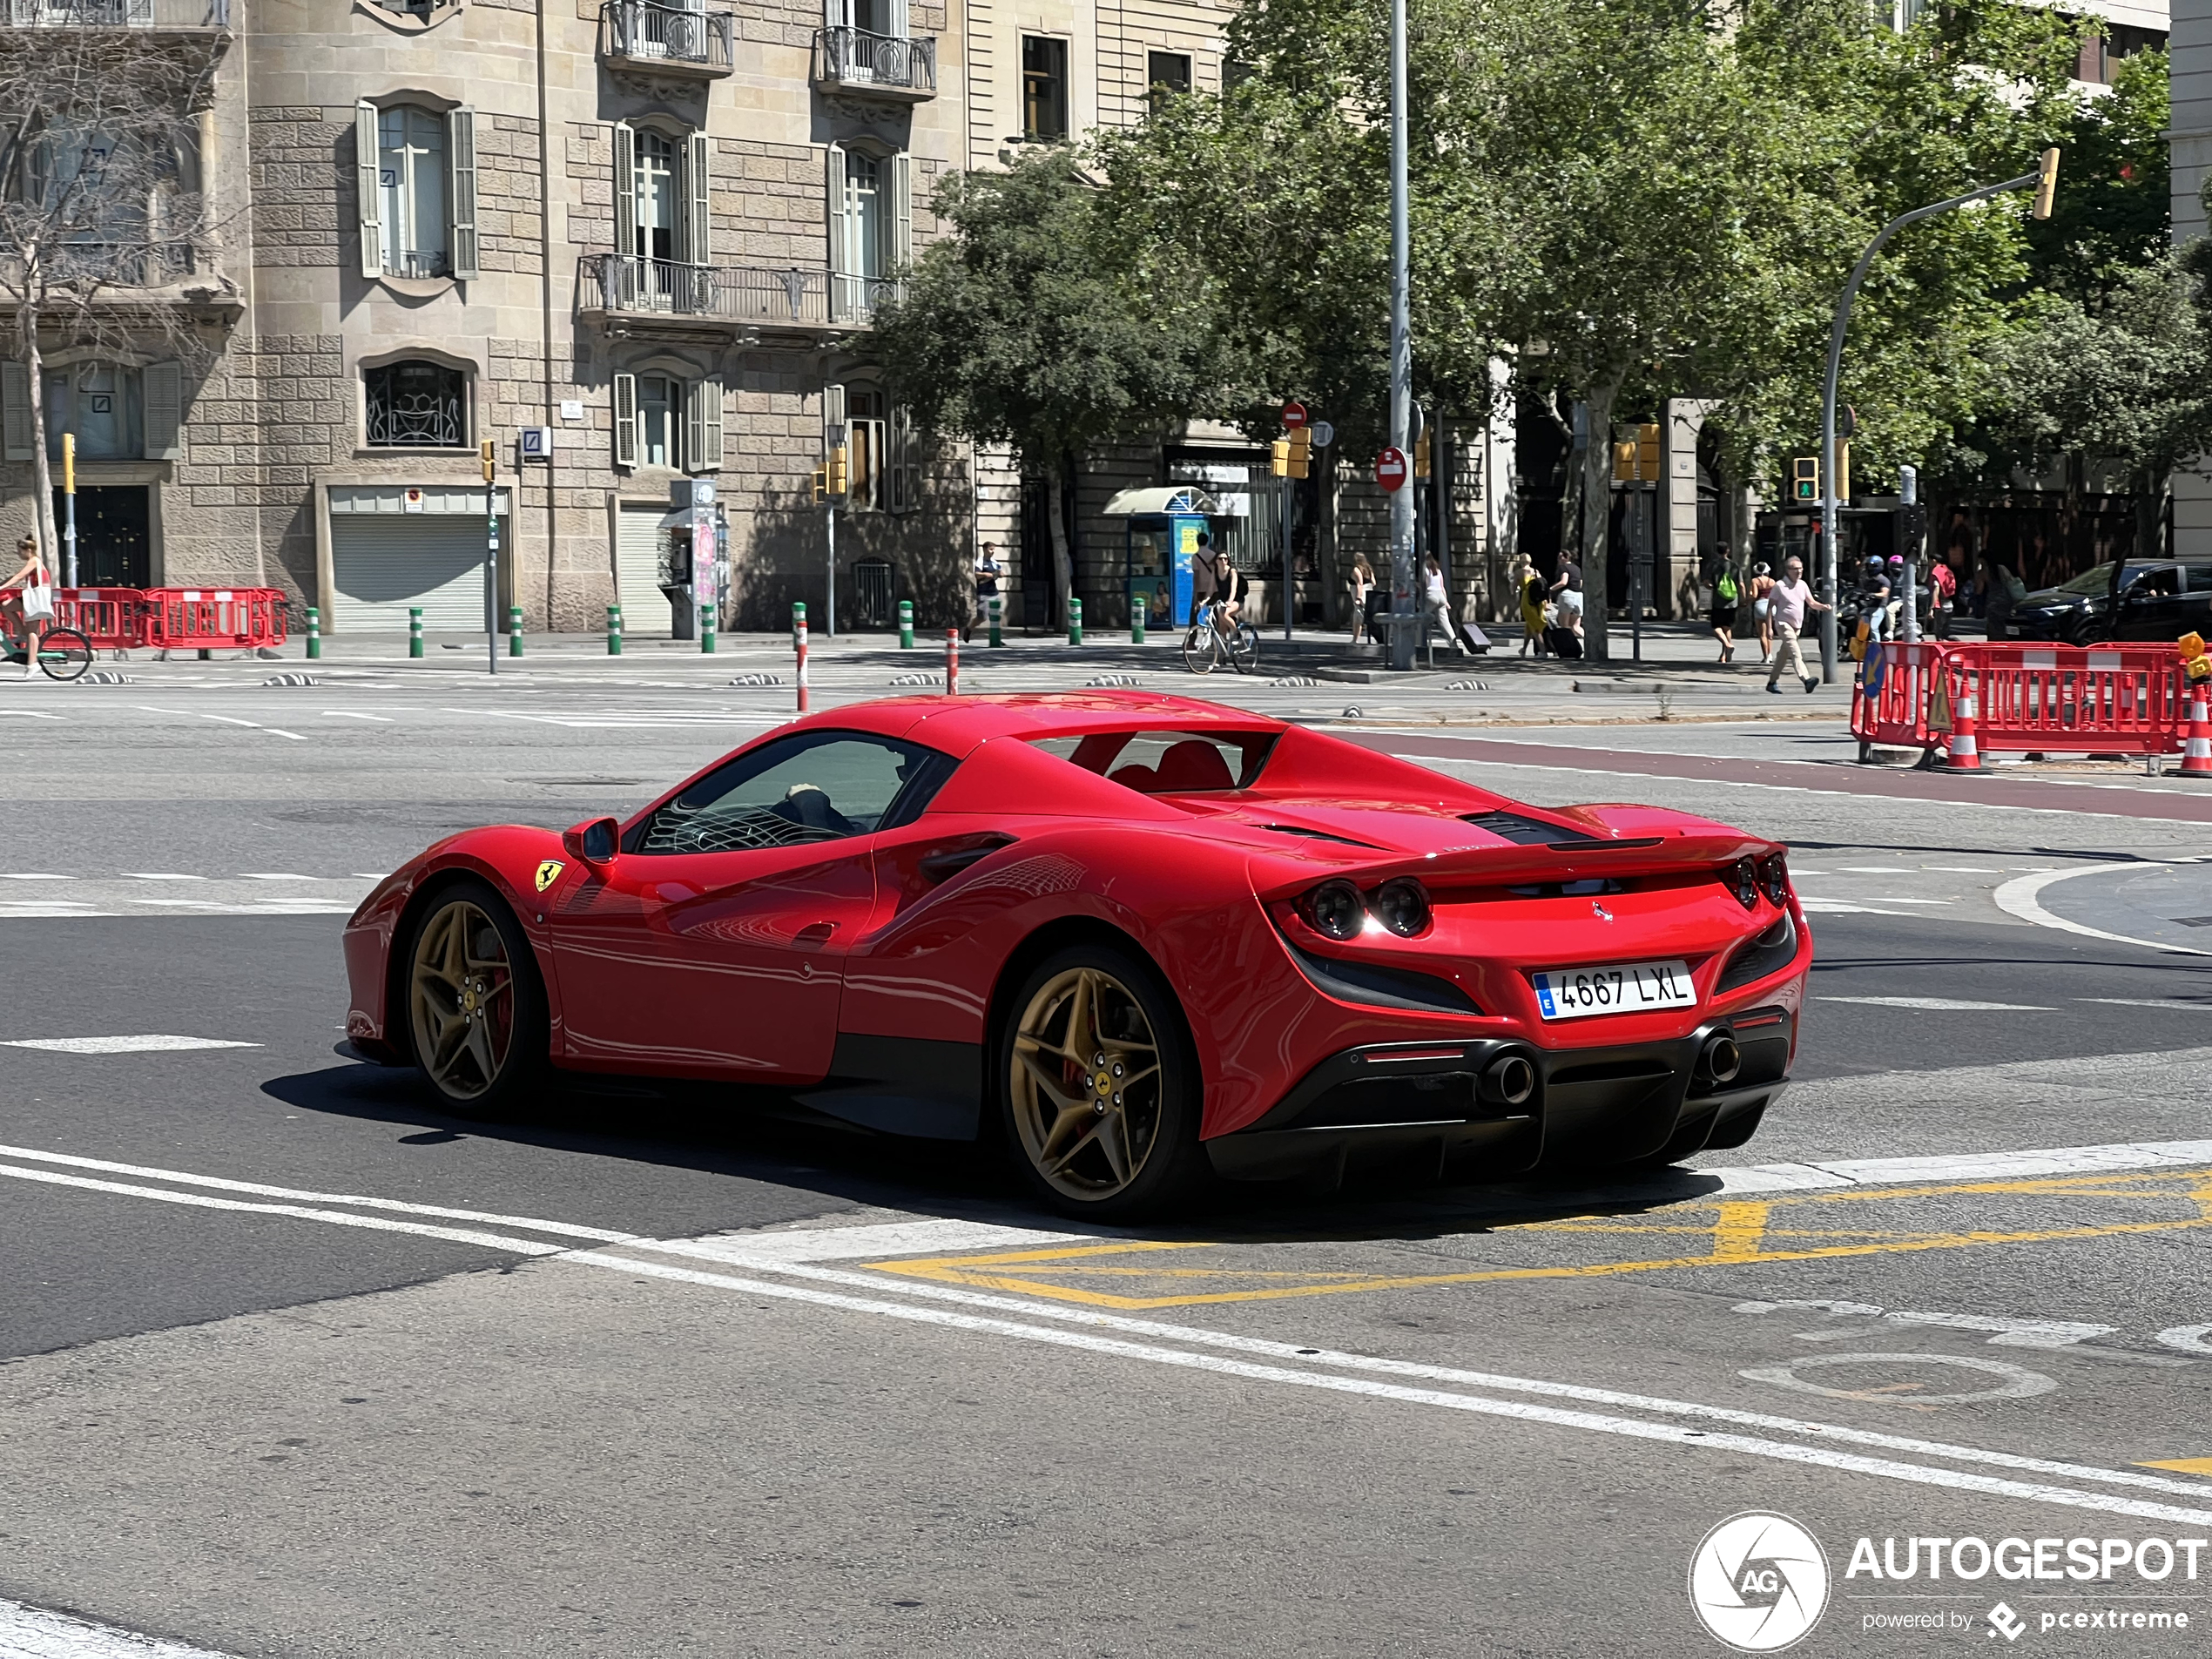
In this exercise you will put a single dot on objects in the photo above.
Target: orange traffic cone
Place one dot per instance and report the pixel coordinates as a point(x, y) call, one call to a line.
point(2196, 748)
point(1965, 753)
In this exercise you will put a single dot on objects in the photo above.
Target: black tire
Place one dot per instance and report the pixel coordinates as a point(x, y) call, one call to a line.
point(1083, 1146)
point(1244, 648)
point(63, 654)
point(479, 1036)
point(1197, 650)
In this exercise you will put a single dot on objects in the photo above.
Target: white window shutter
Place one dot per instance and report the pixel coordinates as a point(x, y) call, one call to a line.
point(894, 23)
point(906, 474)
point(833, 14)
point(703, 426)
point(900, 253)
point(626, 429)
point(625, 171)
point(460, 161)
point(15, 412)
point(698, 233)
point(163, 385)
point(369, 185)
point(839, 236)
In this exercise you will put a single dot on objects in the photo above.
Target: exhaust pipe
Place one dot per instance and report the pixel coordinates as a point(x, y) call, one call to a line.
point(1722, 1059)
point(1510, 1081)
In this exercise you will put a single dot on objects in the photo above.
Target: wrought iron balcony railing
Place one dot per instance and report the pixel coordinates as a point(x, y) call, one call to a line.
point(898, 65)
point(676, 37)
point(119, 14)
point(635, 288)
point(111, 267)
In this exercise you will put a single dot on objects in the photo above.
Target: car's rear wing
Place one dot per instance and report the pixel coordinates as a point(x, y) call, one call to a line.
point(1511, 866)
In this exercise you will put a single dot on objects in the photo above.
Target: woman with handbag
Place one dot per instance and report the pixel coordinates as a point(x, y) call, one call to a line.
point(27, 601)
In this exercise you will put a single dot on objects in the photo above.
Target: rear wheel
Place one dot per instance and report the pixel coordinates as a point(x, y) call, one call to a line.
point(1244, 648)
point(1197, 650)
point(64, 653)
point(1100, 1094)
point(475, 1006)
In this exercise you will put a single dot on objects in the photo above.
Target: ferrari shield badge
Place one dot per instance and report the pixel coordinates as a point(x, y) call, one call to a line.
point(549, 873)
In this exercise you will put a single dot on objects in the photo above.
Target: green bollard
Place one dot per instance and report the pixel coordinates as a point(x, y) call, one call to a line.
point(513, 631)
point(314, 633)
point(706, 627)
point(906, 624)
point(797, 620)
point(1074, 620)
point(1137, 620)
point(996, 640)
point(614, 630)
point(415, 631)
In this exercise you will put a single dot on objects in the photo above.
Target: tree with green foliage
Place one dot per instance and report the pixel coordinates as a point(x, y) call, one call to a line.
point(1037, 323)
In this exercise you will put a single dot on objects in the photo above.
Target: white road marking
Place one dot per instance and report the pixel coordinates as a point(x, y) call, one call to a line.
point(34, 714)
point(1940, 1004)
point(2150, 1002)
point(1966, 1166)
point(1873, 869)
point(2010, 1332)
point(2189, 1338)
point(33, 1633)
point(355, 714)
point(160, 875)
point(1911, 1473)
point(150, 1044)
point(2019, 1383)
point(1964, 869)
point(2021, 897)
point(891, 1238)
point(33, 875)
point(1888, 899)
point(227, 719)
point(1813, 907)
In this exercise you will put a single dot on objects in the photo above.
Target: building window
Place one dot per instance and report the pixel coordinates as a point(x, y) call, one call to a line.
point(1044, 88)
point(417, 406)
point(660, 421)
point(863, 216)
point(1166, 75)
point(100, 403)
point(411, 174)
point(653, 185)
point(865, 430)
point(871, 228)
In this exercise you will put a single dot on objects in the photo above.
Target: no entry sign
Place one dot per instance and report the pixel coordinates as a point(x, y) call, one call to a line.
point(1390, 468)
point(1293, 415)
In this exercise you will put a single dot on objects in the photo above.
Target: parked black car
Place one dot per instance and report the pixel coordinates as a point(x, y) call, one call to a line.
point(2120, 601)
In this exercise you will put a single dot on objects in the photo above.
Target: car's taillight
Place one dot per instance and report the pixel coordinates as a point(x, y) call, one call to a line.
point(1743, 878)
point(1774, 878)
point(1401, 906)
point(1334, 910)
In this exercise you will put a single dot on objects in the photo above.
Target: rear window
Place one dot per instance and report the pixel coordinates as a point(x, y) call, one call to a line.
point(1168, 763)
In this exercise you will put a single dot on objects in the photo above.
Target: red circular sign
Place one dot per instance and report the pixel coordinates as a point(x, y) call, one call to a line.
point(1293, 415)
point(1390, 468)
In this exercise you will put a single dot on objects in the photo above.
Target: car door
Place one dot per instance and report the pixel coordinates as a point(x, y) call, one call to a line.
point(2197, 600)
point(714, 943)
point(2150, 607)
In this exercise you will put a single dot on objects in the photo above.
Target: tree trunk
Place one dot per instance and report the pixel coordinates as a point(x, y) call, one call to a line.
point(42, 472)
point(2150, 503)
point(1597, 499)
point(1063, 563)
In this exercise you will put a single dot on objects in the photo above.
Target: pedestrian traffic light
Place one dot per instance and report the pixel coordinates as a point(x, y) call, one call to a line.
point(490, 456)
point(2047, 184)
point(1804, 478)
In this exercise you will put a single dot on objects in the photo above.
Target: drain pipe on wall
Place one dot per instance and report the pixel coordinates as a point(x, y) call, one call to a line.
point(546, 331)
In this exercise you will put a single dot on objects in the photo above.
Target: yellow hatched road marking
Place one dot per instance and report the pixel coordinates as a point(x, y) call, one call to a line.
point(1740, 1231)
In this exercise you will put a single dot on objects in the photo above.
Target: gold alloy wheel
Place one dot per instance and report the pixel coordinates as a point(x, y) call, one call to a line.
point(461, 1000)
point(1086, 1084)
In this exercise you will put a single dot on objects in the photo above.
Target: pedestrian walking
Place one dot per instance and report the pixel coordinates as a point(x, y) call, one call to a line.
point(1762, 610)
point(27, 601)
point(1363, 583)
point(1725, 596)
point(1437, 602)
point(1534, 615)
point(1787, 605)
point(1567, 595)
point(1942, 594)
point(987, 574)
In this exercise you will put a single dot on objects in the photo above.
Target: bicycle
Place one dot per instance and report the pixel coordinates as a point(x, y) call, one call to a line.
point(1206, 646)
point(64, 653)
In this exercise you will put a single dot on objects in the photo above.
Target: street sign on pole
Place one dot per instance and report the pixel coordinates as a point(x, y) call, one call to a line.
point(1323, 435)
point(1293, 415)
point(1390, 468)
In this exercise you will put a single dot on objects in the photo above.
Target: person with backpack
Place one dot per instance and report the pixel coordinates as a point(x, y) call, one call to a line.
point(1726, 595)
point(1943, 593)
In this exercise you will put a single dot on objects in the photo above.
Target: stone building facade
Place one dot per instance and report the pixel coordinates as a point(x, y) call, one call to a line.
point(656, 230)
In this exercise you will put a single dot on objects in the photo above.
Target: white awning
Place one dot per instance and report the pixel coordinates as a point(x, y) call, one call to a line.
point(1161, 499)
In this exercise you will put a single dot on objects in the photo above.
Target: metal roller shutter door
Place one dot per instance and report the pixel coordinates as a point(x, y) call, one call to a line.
point(381, 563)
point(645, 614)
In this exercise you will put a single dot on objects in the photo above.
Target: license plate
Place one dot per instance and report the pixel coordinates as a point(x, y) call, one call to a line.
point(1627, 987)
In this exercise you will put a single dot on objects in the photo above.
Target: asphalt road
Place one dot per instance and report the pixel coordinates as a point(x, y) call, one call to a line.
point(292, 1364)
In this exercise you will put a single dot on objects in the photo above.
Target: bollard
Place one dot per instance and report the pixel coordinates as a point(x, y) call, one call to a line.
point(1966, 751)
point(906, 624)
point(1074, 620)
point(2196, 744)
point(513, 631)
point(314, 633)
point(614, 630)
point(951, 662)
point(1137, 620)
point(995, 641)
point(707, 645)
point(415, 631)
point(798, 644)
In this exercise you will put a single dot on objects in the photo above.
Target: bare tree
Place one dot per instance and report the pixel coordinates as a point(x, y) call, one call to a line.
point(106, 236)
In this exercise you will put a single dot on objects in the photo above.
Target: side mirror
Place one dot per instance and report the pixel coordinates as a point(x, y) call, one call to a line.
point(594, 842)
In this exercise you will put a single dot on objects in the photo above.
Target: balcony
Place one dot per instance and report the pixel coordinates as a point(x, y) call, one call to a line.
point(663, 299)
point(198, 30)
point(889, 66)
point(676, 42)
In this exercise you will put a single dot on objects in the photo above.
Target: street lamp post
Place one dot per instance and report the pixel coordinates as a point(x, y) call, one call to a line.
point(2045, 178)
point(1402, 575)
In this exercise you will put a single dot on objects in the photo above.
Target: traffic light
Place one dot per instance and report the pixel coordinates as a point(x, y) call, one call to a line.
point(490, 456)
point(1843, 474)
point(1300, 458)
point(1635, 460)
point(1279, 458)
point(1421, 467)
point(2047, 184)
point(821, 485)
point(839, 480)
point(1804, 478)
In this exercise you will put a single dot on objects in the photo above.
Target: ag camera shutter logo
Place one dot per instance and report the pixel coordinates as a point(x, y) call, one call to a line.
point(1758, 1582)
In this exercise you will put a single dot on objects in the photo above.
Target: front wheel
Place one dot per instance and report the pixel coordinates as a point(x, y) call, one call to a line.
point(64, 653)
point(1100, 1091)
point(1197, 650)
point(475, 1006)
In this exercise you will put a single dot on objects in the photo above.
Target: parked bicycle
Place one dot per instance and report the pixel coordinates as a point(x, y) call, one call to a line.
point(1205, 647)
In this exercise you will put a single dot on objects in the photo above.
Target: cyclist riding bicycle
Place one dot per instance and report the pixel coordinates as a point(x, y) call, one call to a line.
point(13, 624)
point(1229, 586)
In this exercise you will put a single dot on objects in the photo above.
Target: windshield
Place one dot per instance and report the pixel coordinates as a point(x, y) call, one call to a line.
point(2091, 582)
point(1168, 763)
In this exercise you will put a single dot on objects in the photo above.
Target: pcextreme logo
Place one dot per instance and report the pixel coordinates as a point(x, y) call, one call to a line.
point(1758, 1581)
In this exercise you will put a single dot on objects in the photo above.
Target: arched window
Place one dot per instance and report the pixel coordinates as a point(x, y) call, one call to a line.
point(417, 405)
point(417, 189)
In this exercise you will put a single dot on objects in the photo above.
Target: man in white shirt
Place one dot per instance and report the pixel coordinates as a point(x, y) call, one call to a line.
point(1437, 603)
point(1789, 604)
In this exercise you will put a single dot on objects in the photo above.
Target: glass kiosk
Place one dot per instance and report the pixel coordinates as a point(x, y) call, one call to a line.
point(1162, 527)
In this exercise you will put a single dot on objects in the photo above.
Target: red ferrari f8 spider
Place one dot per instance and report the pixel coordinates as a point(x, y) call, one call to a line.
point(1144, 938)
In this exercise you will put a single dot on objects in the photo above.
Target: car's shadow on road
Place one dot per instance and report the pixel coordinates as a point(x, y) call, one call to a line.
point(761, 1136)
